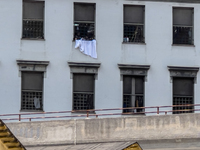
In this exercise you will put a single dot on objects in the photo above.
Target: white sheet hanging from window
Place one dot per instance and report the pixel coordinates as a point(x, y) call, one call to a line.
point(87, 47)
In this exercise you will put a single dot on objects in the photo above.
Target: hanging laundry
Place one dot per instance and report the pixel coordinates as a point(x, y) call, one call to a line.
point(87, 47)
point(78, 43)
point(36, 102)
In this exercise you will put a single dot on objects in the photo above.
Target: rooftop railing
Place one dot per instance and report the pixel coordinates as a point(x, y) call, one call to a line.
point(90, 113)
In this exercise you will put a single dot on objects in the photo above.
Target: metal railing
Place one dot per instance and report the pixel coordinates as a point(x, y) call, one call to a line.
point(182, 35)
point(84, 30)
point(133, 33)
point(90, 113)
point(33, 28)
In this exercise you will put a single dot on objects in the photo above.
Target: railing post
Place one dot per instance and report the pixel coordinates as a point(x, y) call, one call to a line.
point(19, 117)
point(87, 114)
point(157, 110)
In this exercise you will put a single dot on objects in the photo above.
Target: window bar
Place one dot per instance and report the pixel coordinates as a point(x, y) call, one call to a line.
point(182, 100)
point(28, 99)
point(83, 100)
point(133, 33)
point(127, 102)
point(33, 28)
point(182, 34)
point(84, 30)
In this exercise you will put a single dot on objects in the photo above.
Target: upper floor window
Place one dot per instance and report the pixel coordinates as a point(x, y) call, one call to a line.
point(33, 19)
point(133, 23)
point(84, 21)
point(183, 25)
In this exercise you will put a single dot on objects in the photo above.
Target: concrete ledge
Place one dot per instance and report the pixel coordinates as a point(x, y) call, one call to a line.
point(159, 127)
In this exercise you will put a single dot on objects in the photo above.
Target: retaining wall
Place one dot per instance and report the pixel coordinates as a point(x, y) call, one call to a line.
point(107, 129)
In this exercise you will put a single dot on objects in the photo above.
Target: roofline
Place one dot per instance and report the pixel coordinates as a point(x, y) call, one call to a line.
point(174, 1)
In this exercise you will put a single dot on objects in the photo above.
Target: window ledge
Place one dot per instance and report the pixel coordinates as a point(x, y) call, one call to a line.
point(133, 43)
point(31, 110)
point(73, 41)
point(184, 45)
point(134, 114)
point(33, 39)
point(82, 112)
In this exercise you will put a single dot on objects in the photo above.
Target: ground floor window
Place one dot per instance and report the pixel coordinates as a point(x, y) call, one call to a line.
point(32, 91)
point(183, 94)
point(133, 93)
point(83, 91)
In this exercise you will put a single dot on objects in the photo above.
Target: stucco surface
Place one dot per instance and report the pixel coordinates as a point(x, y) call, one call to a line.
point(58, 49)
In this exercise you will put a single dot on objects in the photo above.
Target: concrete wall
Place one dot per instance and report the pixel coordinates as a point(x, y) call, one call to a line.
point(58, 48)
point(107, 129)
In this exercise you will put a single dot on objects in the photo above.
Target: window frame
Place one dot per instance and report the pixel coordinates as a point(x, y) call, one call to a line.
point(140, 95)
point(183, 72)
point(32, 66)
point(93, 93)
point(43, 20)
point(91, 22)
point(134, 71)
point(22, 90)
point(183, 96)
point(134, 24)
point(83, 68)
point(174, 25)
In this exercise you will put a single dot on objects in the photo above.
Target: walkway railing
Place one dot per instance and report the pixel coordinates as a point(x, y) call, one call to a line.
point(95, 113)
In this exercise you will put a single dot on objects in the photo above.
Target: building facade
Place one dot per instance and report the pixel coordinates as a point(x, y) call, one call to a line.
point(147, 53)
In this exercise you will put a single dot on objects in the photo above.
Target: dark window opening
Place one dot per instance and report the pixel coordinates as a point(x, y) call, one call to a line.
point(133, 24)
point(83, 91)
point(33, 19)
point(84, 21)
point(183, 91)
point(133, 93)
point(32, 91)
point(183, 26)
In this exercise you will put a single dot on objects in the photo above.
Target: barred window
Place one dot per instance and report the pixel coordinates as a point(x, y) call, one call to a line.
point(32, 91)
point(133, 93)
point(84, 21)
point(33, 19)
point(183, 94)
point(183, 25)
point(83, 91)
point(134, 23)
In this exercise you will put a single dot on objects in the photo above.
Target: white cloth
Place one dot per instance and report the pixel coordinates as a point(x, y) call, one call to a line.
point(78, 43)
point(87, 47)
point(36, 102)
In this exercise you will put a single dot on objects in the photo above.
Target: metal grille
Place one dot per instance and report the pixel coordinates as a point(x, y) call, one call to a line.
point(84, 30)
point(83, 101)
point(182, 100)
point(28, 100)
point(133, 33)
point(182, 35)
point(33, 29)
point(127, 103)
